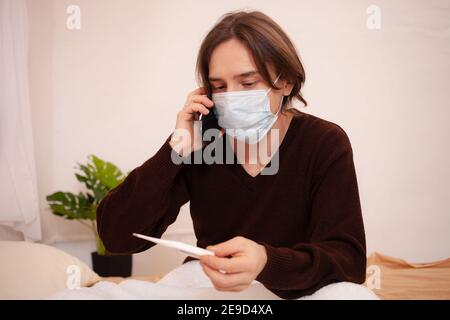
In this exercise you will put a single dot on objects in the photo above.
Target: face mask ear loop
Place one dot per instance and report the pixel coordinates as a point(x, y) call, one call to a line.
point(281, 102)
point(276, 79)
point(279, 108)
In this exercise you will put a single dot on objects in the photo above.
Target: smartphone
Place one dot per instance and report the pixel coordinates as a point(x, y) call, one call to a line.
point(210, 120)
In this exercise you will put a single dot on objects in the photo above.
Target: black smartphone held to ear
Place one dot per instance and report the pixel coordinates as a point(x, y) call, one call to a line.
point(209, 121)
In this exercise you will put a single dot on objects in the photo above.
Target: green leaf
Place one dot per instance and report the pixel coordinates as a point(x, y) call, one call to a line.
point(108, 174)
point(99, 176)
point(71, 206)
point(81, 178)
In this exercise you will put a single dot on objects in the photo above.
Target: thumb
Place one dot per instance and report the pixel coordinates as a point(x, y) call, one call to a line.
point(227, 248)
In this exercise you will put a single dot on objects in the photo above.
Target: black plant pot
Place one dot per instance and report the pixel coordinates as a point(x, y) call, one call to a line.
point(112, 265)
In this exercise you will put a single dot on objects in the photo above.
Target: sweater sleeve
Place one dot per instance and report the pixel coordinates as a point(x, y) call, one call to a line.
point(146, 202)
point(336, 249)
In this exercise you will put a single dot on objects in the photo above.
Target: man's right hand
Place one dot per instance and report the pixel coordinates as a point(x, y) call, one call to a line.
point(183, 140)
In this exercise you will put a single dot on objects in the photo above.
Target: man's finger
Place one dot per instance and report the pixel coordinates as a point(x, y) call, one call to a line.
point(229, 265)
point(224, 281)
point(237, 288)
point(228, 248)
point(199, 90)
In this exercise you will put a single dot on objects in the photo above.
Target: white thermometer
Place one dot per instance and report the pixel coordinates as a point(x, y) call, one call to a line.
point(180, 246)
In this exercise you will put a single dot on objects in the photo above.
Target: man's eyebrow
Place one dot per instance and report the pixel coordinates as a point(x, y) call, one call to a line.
point(242, 75)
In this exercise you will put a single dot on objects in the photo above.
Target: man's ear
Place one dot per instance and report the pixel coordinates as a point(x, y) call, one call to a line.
point(286, 88)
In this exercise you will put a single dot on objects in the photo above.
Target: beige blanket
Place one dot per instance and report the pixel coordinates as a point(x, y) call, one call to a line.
point(399, 279)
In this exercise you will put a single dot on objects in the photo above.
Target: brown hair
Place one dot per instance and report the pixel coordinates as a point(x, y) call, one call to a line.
point(268, 44)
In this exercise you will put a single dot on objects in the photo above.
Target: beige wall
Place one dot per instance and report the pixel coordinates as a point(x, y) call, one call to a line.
point(113, 88)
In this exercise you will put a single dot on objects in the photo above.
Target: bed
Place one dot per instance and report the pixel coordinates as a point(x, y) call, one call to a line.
point(37, 271)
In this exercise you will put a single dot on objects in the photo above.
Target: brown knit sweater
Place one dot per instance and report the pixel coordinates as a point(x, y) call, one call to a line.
point(308, 215)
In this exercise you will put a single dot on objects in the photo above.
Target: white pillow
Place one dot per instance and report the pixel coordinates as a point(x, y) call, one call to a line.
point(35, 271)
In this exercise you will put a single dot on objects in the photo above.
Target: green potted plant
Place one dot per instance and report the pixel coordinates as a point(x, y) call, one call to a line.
point(99, 177)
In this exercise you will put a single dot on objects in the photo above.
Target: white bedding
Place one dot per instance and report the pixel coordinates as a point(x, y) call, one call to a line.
point(189, 282)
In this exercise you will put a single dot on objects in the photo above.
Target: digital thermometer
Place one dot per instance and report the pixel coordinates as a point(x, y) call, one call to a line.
point(180, 246)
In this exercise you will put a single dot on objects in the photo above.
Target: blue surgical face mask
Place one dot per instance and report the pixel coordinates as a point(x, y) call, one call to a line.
point(245, 115)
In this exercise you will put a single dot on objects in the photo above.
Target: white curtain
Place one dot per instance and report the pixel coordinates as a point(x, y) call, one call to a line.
point(19, 206)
